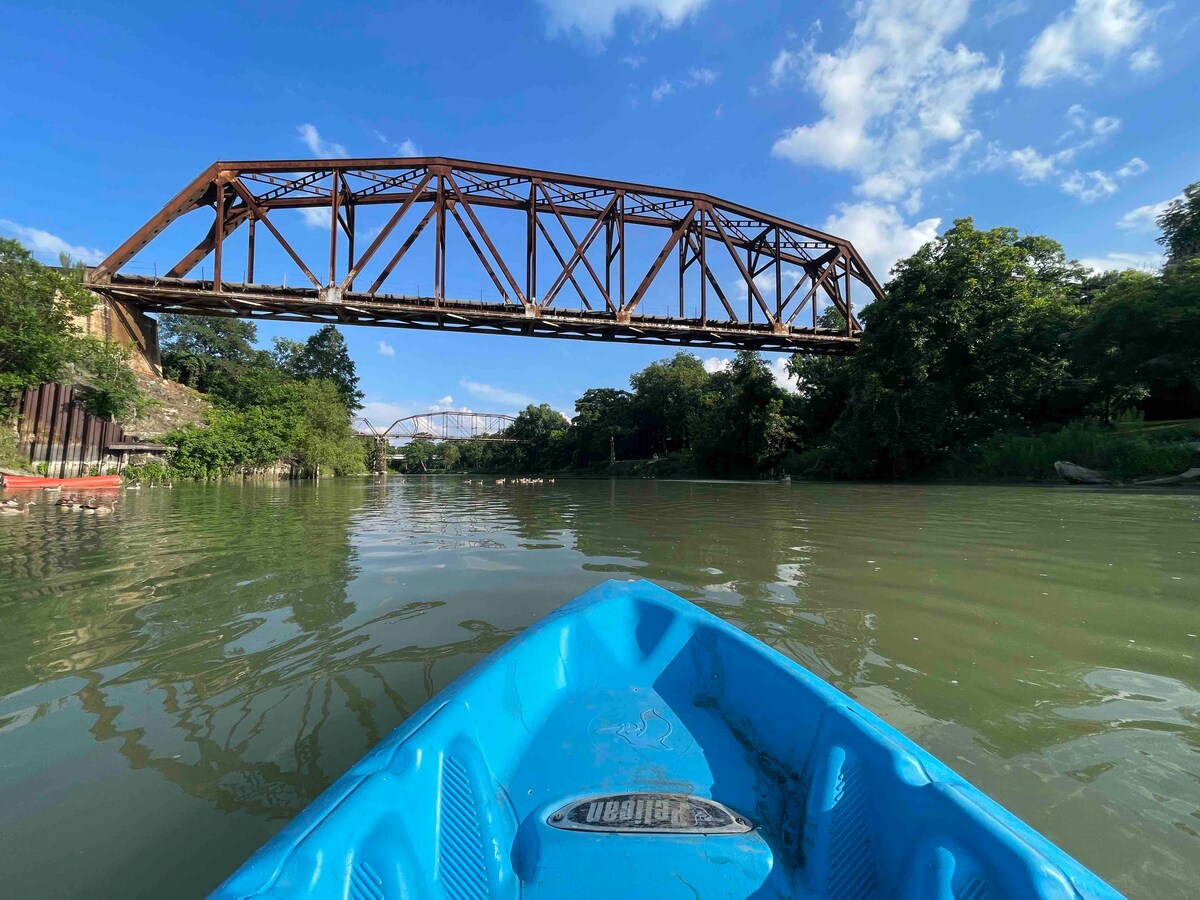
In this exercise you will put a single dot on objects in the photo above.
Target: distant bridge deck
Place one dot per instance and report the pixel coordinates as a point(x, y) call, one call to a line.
point(739, 278)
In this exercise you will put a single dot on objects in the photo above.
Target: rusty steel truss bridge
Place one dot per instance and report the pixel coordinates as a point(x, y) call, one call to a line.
point(560, 255)
point(442, 425)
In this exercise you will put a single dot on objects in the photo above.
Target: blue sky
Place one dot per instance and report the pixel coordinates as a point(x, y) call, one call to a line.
point(881, 120)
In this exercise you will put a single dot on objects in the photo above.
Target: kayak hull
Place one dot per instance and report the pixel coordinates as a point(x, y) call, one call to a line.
point(16, 482)
point(579, 759)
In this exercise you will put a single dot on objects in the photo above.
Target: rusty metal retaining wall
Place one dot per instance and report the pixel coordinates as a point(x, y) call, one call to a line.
point(54, 429)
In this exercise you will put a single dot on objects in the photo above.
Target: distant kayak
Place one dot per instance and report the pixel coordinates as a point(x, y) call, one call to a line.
point(35, 481)
point(632, 745)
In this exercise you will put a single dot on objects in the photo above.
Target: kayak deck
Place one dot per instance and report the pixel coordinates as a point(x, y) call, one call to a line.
point(561, 766)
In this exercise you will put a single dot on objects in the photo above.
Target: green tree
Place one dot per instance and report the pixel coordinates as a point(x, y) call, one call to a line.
point(214, 336)
point(36, 306)
point(667, 397)
point(325, 441)
point(235, 440)
point(477, 456)
point(1180, 224)
point(107, 386)
point(1140, 342)
point(542, 433)
point(745, 428)
point(286, 353)
point(205, 352)
point(325, 357)
point(417, 455)
point(823, 384)
point(450, 456)
point(603, 419)
point(970, 338)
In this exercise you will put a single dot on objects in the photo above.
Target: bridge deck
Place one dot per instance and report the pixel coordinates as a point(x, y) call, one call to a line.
point(262, 301)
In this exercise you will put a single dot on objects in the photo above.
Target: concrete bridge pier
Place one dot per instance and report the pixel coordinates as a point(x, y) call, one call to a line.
point(112, 320)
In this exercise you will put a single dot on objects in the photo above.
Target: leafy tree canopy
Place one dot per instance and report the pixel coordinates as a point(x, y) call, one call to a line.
point(1180, 224)
point(211, 336)
point(667, 397)
point(36, 306)
point(969, 338)
point(324, 357)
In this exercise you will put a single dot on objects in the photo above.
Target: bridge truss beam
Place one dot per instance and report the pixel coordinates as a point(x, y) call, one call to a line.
point(444, 425)
point(575, 281)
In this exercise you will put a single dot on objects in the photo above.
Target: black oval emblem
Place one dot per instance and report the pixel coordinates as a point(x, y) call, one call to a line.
point(650, 813)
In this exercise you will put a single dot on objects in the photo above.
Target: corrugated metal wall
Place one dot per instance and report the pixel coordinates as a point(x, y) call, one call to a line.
point(54, 429)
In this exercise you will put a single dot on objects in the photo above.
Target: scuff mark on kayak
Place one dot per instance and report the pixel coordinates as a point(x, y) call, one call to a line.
point(695, 893)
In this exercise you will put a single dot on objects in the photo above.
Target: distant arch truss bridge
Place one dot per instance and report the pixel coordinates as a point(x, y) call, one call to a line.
point(438, 243)
point(443, 425)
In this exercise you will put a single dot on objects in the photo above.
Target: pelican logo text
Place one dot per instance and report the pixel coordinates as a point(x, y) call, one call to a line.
point(649, 813)
point(641, 812)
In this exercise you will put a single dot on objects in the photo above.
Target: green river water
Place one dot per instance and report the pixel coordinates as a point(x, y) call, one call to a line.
point(180, 678)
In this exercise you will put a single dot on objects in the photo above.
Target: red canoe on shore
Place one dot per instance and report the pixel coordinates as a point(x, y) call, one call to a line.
point(36, 481)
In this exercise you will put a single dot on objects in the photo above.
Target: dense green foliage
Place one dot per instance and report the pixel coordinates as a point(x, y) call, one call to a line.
point(106, 385)
point(987, 345)
point(39, 344)
point(1180, 224)
point(323, 357)
point(268, 409)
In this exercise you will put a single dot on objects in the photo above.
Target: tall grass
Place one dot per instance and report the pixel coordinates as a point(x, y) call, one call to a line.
point(1125, 452)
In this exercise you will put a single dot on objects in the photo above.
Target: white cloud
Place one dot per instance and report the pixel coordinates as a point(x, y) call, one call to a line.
point(1089, 186)
point(1134, 167)
point(444, 402)
point(317, 145)
point(406, 147)
point(382, 413)
point(317, 216)
point(784, 65)
point(694, 78)
point(1091, 33)
point(777, 365)
point(1002, 12)
point(43, 242)
point(386, 349)
point(880, 233)
point(495, 393)
point(1084, 133)
point(634, 62)
point(1145, 218)
point(1094, 185)
point(782, 376)
point(1031, 165)
point(1146, 262)
point(1144, 60)
point(897, 96)
point(596, 19)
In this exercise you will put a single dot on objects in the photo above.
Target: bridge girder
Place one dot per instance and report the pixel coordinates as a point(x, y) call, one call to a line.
point(584, 287)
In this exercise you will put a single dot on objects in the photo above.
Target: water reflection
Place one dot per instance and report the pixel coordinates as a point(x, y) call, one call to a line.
point(244, 644)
